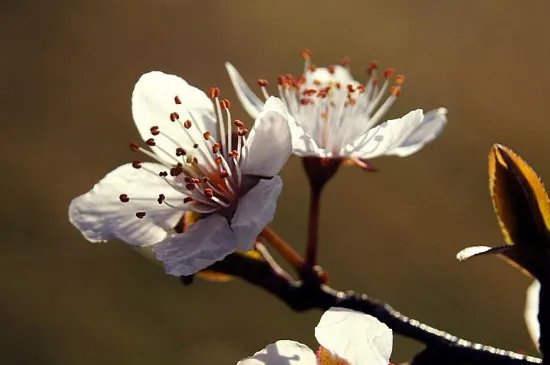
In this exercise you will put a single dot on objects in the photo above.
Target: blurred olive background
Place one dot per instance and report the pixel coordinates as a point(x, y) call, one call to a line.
point(68, 68)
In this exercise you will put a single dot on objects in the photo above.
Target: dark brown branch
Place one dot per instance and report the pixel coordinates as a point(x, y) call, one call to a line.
point(301, 296)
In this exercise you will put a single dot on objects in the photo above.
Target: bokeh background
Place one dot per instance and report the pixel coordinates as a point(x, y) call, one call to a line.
point(68, 68)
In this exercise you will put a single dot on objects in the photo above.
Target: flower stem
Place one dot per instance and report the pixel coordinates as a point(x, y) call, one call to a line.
point(313, 227)
point(283, 248)
point(319, 171)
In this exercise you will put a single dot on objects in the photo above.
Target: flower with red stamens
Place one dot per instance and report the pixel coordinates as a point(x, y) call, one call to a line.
point(339, 117)
point(346, 337)
point(206, 162)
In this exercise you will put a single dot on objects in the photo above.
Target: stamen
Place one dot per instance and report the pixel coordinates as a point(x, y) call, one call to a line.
point(137, 164)
point(150, 142)
point(124, 198)
point(140, 215)
point(177, 99)
point(155, 130)
point(161, 198)
point(262, 83)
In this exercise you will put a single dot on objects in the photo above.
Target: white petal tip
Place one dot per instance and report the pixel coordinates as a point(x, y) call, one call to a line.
point(468, 252)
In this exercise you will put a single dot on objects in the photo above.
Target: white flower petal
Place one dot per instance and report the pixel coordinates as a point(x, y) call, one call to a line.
point(532, 311)
point(101, 216)
point(255, 210)
point(269, 143)
point(154, 100)
point(432, 125)
point(283, 352)
point(303, 144)
point(355, 337)
point(251, 103)
point(324, 76)
point(468, 252)
point(205, 242)
point(384, 138)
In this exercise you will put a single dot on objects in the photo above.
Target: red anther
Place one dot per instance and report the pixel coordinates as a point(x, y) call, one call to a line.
point(235, 153)
point(375, 82)
point(140, 214)
point(361, 88)
point(134, 146)
point(155, 130)
point(399, 79)
point(388, 72)
point(187, 200)
point(225, 104)
point(190, 186)
point(351, 88)
point(224, 174)
point(300, 80)
point(242, 132)
point(176, 171)
point(218, 160)
point(124, 198)
point(209, 193)
point(312, 67)
point(195, 180)
point(163, 174)
point(161, 198)
point(150, 142)
point(289, 76)
point(137, 164)
point(345, 61)
point(214, 92)
point(331, 69)
point(395, 90)
point(309, 92)
point(195, 145)
point(187, 124)
point(281, 80)
point(177, 99)
point(316, 82)
point(373, 65)
point(306, 53)
point(351, 101)
point(262, 83)
point(207, 135)
point(180, 151)
point(174, 116)
point(238, 123)
point(305, 101)
point(216, 147)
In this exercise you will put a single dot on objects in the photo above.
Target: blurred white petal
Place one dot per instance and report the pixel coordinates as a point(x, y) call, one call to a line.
point(356, 337)
point(532, 311)
point(384, 138)
point(432, 125)
point(153, 102)
point(205, 242)
point(283, 352)
point(269, 144)
point(251, 103)
point(468, 252)
point(101, 216)
point(255, 210)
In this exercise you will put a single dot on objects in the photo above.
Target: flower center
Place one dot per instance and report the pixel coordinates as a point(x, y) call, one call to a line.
point(208, 173)
point(332, 107)
point(324, 357)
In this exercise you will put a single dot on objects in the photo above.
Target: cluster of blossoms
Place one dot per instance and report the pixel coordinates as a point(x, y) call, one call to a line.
point(212, 166)
point(208, 163)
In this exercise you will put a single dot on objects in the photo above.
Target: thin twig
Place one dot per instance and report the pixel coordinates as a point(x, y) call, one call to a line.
point(302, 296)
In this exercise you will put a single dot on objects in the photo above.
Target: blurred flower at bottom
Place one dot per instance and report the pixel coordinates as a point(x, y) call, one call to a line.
point(346, 337)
